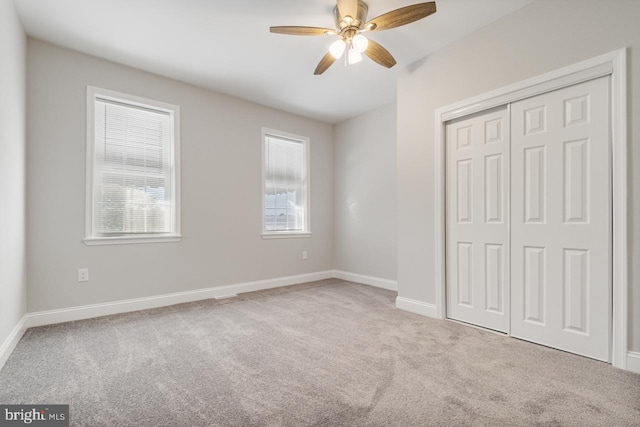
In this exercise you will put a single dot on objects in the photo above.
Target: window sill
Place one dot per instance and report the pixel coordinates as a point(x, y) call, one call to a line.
point(129, 240)
point(284, 235)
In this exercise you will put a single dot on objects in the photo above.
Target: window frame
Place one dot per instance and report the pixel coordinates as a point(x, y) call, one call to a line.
point(306, 144)
point(91, 238)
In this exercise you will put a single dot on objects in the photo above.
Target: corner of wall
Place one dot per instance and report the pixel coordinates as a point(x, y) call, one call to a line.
point(12, 179)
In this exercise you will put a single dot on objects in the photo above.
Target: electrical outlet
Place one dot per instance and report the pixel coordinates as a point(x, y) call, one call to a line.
point(305, 255)
point(83, 275)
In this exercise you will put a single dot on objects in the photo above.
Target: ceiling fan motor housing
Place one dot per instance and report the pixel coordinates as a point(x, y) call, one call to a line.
point(357, 21)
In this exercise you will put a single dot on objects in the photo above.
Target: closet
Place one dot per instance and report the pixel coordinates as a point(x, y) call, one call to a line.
point(528, 219)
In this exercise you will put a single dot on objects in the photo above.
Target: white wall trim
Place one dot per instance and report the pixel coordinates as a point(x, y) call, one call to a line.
point(620, 256)
point(116, 307)
point(633, 362)
point(612, 63)
point(391, 285)
point(418, 307)
point(96, 310)
point(558, 79)
point(70, 314)
point(12, 340)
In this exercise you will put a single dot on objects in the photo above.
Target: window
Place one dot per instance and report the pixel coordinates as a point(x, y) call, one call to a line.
point(132, 169)
point(285, 185)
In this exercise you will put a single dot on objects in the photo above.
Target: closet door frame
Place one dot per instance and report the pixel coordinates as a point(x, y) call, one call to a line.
point(610, 64)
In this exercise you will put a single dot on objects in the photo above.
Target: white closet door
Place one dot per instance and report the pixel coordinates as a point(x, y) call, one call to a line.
point(478, 219)
point(561, 219)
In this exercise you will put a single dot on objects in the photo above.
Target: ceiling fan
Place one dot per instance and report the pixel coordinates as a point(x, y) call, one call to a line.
point(351, 21)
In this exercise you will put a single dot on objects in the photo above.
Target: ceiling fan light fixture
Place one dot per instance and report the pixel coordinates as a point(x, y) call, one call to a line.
point(350, 18)
point(360, 43)
point(337, 48)
point(353, 56)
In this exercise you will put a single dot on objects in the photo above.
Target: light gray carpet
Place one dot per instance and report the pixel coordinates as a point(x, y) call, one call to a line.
point(328, 353)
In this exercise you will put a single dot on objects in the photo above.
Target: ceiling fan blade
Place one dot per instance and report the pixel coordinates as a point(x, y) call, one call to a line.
point(347, 8)
point(402, 16)
point(324, 64)
point(303, 31)
point(379, 54)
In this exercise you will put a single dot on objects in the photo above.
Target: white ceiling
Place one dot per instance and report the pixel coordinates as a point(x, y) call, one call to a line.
point(226, 46)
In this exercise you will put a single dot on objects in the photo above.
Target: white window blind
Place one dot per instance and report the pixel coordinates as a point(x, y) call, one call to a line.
point(285, 185)
point(134, 170)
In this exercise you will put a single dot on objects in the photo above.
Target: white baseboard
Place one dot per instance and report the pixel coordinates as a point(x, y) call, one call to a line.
point(418, 307)
point(116, 307)
point(124, 306)
point(12, 340)
point(50, 317)
point(633, 361)
point(391, 285)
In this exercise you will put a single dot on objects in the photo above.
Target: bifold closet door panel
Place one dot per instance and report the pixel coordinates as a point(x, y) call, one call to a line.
point(478, 219)
point(561, 219)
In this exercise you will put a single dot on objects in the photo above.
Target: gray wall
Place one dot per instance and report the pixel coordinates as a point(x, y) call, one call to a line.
point(541, 37)
point(12, 170)
point(365, 194)
point(221, 190)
